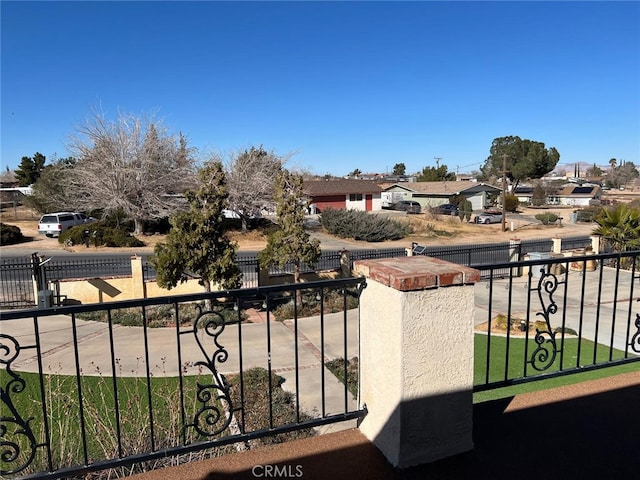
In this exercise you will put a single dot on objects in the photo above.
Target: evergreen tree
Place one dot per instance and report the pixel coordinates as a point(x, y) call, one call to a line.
point(196, 243)
point(290, 243)
point(29, 169)
point(436, 174)
point(399, 169)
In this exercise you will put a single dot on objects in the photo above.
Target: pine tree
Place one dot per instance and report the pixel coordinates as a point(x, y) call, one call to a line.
point(30, 169)
point(290, 243)
point(197, 244)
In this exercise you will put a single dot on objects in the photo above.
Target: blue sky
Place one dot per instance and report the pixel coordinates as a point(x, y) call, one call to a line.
point(342, 85)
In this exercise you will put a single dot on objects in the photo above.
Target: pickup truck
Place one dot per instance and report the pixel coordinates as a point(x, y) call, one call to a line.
point(53, 224)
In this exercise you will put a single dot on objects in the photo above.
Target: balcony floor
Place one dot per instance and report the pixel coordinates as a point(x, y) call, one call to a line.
point(586, 430)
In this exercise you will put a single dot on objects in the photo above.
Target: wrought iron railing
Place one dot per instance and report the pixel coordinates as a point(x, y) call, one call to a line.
point(84, 390)
point(16, 283)
point(556, 316)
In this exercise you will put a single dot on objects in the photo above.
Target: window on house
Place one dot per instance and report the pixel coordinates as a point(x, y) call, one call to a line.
point(355, 197)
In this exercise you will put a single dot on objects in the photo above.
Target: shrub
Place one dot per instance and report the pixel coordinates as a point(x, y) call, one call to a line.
point(465, 208)
point(336, 367)
point(257, 411)
point(333, 301)
point(100, 234)
point(158, 316)
point(361, 225)
point(10, 234)
point(547, 218)
point(511, 203)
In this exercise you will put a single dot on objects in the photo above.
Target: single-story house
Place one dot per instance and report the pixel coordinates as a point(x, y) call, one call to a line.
point(572, 195)
point(432, 194)
point(350, 194)
point(578, 195)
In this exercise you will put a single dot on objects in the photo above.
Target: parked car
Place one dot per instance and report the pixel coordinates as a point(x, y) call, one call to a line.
point(407, 206)
point(446, 209)
point(53, 224)
point(488, 217)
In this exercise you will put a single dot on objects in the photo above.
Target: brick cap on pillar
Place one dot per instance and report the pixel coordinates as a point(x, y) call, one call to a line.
point(416, 273)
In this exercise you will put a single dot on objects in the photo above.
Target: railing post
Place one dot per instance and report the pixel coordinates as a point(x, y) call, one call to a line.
point(595, 244)
point(138, 289)
point(416, 344)
point(515, 248)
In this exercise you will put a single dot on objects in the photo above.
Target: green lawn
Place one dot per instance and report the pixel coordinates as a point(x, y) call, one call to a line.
point(505, 367)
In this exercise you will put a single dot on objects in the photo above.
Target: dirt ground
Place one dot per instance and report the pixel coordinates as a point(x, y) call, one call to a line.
point(428, 230)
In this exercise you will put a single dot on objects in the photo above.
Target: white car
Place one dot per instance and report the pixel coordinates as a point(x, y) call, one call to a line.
point(488, 217)
point(53, 224)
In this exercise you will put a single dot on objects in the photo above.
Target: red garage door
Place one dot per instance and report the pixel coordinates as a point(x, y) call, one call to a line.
point(330, 201)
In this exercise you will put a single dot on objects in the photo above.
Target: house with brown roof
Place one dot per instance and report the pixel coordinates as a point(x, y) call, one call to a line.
point(577, 195)
point(350, 194)
point(432, 194)
point(570, 195)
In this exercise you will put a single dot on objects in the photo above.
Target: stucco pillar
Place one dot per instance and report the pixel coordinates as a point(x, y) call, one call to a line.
point(137, 278)
point(416, 347)
point(557, 245)
point(595, 244)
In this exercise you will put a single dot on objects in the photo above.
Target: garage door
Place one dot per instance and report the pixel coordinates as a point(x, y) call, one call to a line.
point(331, 201)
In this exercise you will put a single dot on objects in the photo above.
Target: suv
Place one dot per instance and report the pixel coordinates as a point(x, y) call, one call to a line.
point(407, 206)
point(53, 224)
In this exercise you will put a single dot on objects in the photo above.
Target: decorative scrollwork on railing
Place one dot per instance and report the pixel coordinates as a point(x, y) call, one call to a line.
point(215, 413)
point(545, 353)
point(17, 441)
point(635, 339)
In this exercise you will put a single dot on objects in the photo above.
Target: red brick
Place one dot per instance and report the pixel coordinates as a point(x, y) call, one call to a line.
point(416, 273)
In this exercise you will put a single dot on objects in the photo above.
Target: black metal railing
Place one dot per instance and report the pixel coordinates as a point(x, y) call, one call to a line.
point(16, 283)
point(88, 268)
point(329, 260)
point(248, 265)
point(93, 387)
point(377, 253)
point(556, 316)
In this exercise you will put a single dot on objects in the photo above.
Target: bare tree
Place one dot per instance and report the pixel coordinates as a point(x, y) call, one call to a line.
point(131, 164)
point(250, 178)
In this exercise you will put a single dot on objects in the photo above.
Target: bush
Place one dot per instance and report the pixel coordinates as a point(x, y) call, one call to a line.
point(511, 203)
point(159, 316)
point(336, 367)
point(257, 409)
point(100, 234)
point(332, 302)
point(465, 208)
point(361, 225)
point(10, 234)
point(547, 218)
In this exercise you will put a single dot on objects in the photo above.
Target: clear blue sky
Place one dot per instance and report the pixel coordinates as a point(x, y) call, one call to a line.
point(343, 85)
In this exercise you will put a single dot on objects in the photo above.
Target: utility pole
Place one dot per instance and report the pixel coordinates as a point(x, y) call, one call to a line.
point(504, 191)
point(437, 159)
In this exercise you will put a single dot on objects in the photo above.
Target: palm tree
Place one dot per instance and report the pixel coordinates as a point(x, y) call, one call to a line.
point(620, 227)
